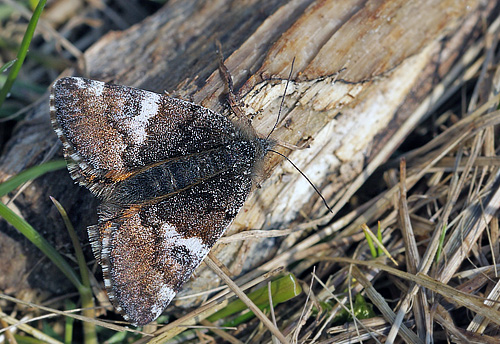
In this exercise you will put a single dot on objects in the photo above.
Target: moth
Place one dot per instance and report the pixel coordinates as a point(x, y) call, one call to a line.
point(171, 176)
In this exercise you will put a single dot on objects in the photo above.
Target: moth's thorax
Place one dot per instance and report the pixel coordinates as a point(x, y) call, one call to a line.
point(165, 179)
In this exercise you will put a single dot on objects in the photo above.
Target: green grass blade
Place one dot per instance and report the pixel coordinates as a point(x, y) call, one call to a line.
point(7, 66)
point(29, 174)
point(362, 310)
point(380, 252)
point(32, 235)
point(371, 245)
point(441, 244)
point(282, 289)
point(23, 51)
point(69, 325)
point(89, 329)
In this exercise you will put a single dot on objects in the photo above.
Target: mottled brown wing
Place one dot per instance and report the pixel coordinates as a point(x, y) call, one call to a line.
point(109, 132)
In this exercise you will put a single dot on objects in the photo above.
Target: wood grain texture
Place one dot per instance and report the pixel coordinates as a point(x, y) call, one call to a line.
point(361, 70)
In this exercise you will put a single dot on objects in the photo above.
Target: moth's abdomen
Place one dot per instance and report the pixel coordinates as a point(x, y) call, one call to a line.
point(165, 179)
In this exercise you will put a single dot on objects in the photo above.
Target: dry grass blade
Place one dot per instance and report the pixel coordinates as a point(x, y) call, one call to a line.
point(476, 219)
point(69, 314)
point(377, 326)
point(473, 126)
point(380, 245)
point(472, 302)
point(217, 302)
point(234, 287)
point(258, 234)
point(223, 334)
point(379, 301)
point(420, 309)
point(479, 323)
point(273, 316)
point(349, 310)
point(15, 323)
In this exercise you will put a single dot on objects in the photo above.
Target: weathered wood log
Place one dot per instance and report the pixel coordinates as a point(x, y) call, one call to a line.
point(361, 72)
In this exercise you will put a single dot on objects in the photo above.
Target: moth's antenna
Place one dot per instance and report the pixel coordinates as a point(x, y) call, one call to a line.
point(284, 156)
point(304, 175)
point(282, 100)
point(234, 104)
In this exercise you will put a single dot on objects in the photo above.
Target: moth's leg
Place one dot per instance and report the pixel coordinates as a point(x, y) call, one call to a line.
point(233, 99)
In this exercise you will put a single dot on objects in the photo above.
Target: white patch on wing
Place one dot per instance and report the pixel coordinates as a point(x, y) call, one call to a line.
point(80, 83)
point(105, 247)
point(164, 296)
point(137, 124)
point(193, 245)
point(97, 87)
point(92, 86)
point(75, 157)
